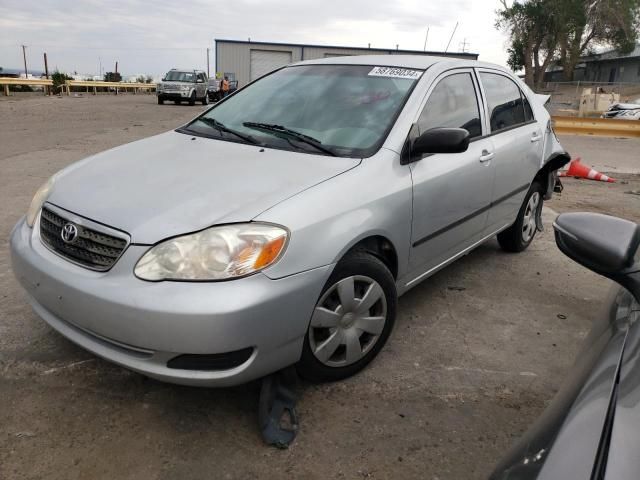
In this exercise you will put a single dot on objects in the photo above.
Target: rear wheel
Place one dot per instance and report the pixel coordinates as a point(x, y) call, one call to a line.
point(352, 320)
point(519, 236)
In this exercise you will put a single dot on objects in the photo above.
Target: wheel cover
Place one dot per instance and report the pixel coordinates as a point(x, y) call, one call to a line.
point(348, 321)
point(529, 219)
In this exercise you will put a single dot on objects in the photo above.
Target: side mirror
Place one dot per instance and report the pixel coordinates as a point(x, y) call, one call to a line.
point(607, 245)
point(440, 140)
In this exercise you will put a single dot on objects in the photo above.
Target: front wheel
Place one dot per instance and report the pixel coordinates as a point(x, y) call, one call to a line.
point(205, 100)
point(192, 99)
point(160, 101)
point(352, 320)
point(519, 236)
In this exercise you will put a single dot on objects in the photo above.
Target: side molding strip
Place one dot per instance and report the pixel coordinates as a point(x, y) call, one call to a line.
point(470, 216)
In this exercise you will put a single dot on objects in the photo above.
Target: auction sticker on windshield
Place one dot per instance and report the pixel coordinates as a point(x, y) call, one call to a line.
point(394, 72)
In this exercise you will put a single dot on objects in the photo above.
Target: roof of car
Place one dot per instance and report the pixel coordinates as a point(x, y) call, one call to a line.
point(406, 61)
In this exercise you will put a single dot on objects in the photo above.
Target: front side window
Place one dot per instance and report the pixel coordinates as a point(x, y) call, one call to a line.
point(506, 108)
point(452, 103)
point(347, 110)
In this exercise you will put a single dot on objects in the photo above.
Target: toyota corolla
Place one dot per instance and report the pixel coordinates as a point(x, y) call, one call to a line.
point(280, 226)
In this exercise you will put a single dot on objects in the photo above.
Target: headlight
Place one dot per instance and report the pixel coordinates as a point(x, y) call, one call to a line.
point(217, 253)
point(185, 87)
point(38, 200)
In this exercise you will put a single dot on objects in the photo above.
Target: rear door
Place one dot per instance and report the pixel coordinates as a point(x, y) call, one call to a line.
point(517, 139)
point(201, 85)
point(451, 192)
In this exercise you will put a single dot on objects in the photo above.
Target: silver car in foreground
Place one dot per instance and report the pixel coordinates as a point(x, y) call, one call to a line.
point(280, 226)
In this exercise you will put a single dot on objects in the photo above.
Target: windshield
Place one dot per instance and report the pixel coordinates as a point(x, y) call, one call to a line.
point(174, 76)
point(344, 109)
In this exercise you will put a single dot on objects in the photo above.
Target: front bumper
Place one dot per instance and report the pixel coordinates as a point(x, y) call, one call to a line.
point(142, 325)
point(174, 94)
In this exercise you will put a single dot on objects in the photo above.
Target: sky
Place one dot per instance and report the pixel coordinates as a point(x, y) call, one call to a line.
point(150, 37)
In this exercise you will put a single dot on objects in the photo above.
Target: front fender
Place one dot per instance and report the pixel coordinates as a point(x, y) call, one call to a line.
point(325, 221)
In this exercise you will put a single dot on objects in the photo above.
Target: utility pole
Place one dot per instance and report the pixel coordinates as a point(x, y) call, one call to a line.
point(208, 74)
point(24, 57)
point(451, 38)
point(463, 45)
point(116, 66)
point(424, 49)
point(46, 73)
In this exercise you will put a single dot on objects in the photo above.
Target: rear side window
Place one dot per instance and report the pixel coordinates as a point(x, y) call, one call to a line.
point(452, 103)
point(506, 109)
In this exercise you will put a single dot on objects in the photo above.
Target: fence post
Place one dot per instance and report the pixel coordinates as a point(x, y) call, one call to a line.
point(6, 90)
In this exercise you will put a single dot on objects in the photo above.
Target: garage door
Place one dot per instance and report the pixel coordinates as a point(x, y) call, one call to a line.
point(265, 61)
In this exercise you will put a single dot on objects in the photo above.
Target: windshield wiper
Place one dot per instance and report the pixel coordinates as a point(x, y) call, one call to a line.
point(269, 127)
point(212, 122)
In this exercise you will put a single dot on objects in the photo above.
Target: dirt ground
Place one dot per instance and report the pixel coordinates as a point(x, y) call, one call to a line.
point(478, 350)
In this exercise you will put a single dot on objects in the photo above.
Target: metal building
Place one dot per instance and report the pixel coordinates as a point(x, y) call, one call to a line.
point(606, 67)
point(250, 60)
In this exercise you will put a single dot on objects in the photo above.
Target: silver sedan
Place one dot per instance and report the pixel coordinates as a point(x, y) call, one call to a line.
point(280, 226)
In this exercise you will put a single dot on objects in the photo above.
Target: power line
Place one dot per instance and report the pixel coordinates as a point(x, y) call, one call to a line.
point(451, 38)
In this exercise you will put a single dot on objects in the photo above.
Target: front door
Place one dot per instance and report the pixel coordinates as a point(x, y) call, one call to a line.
point(451, 192)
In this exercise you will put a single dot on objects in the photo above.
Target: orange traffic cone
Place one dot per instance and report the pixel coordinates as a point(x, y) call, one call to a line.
point(579, 170)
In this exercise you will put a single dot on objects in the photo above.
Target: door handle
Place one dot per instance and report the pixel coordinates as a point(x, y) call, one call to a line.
point(486, 156)
point(535, 138)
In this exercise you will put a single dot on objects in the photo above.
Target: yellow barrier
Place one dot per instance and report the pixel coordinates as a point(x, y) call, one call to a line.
point(32, 82)
point(608, 127)
point(115, 85)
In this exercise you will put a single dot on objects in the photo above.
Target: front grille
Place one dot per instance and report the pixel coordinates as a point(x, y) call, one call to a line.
point(91, 248)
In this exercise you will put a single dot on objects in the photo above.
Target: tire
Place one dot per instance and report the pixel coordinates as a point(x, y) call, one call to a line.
point(192, 99)
point(326, 355)
point(160, 101)
point(519, 236)
point(205, 100)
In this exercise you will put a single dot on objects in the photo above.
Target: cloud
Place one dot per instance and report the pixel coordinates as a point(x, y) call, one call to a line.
point(151, 37)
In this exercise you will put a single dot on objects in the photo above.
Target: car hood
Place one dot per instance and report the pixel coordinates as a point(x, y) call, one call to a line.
point(174, 183)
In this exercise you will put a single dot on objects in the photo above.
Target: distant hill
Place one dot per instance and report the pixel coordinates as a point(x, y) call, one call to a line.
point(20, 71)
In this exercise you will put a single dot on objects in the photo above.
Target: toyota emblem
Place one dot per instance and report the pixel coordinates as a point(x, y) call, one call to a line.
point(69, 233)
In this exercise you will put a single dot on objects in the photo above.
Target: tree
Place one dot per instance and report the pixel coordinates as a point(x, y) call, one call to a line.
point(612, 23)
point(59, 78)
point(534, 30)
point(543, 30)
point(112, 77)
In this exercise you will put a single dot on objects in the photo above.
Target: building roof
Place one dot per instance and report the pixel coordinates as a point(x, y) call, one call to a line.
point(472, 56)
point(613, 55)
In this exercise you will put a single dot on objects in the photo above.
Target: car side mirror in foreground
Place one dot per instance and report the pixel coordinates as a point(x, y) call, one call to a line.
point(440, 140)
point(607, 245)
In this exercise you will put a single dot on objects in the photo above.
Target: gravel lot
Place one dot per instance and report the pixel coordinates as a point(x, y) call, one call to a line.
point(477, 353)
